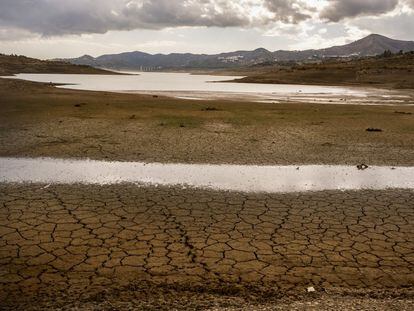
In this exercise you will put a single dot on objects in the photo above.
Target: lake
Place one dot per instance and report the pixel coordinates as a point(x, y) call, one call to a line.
point(185, 85)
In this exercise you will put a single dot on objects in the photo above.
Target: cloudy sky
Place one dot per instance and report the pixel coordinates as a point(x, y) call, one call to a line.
point(71, 28)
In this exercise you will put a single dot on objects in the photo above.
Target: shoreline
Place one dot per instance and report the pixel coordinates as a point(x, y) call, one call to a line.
point(352, 95)
point(152, 128)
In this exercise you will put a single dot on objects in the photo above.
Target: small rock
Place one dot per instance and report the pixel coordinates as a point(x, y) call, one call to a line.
point(371, 129)
point(362, 167)
point(210, 109)
point(311, 289)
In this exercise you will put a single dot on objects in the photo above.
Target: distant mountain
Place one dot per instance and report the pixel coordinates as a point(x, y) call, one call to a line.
point(372, 45)
point(369, 46)
point(144, 61)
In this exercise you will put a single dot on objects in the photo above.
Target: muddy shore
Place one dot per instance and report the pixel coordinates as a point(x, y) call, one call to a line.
point(66, 247)
point(39, 120)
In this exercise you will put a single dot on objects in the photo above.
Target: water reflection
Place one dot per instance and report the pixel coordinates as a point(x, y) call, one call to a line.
point(244, 178)
point(205, 87)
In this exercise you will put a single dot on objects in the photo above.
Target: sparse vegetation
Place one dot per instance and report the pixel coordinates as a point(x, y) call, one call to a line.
point(386, 70)
point(13, 64)
point(39, 119)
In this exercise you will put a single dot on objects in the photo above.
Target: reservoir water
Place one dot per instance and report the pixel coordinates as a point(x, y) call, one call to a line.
point(210, 87)
point(243, 178)
point(178, 82)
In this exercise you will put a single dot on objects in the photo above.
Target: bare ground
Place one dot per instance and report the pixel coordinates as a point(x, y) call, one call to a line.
point(164, 248)
point(126, 248)
point(40, 120)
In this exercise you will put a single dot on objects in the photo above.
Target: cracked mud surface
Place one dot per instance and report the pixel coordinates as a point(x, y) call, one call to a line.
point(120, 247)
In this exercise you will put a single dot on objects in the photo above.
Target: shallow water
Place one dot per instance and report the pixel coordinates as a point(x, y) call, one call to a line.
point(181, 82)
point(243, 178)
point(208, 87)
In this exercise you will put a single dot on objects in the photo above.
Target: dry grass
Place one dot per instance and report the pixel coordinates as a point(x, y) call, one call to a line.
point(393, 72)
point(13, 64)
point(41, 120)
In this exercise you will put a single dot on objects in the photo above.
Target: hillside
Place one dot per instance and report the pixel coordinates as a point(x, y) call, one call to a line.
point(13, 64)
point(144, 61)
point(395, 71)
point(368, 46)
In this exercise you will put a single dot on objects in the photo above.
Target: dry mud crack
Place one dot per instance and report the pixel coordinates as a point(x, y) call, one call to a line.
point(76, 243)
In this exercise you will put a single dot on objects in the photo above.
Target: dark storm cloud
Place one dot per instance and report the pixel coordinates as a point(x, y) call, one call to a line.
point(49, 17)
point(58, 17)
point(340, 9)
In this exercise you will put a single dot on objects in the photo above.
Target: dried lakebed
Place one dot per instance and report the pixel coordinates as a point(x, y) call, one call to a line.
point(241, 178)
point(84, 247)
point(209, 87)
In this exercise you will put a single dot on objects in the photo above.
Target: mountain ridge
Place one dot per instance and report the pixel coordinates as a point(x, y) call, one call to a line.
point(371, 45)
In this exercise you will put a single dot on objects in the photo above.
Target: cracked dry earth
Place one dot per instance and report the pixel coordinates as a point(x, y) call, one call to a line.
point(123, 247)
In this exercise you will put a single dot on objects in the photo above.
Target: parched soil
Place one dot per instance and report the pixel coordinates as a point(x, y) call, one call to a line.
point(124, 247)
point(41, 120)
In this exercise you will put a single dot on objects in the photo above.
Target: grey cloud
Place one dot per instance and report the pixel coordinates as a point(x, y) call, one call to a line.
point(61, 17)
point(56, 17)
point(50, 17)
point(396, 26)
point(340, 9)
point(167, 13)
point(410, 3)
point(288, 11)
point(13, 34)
